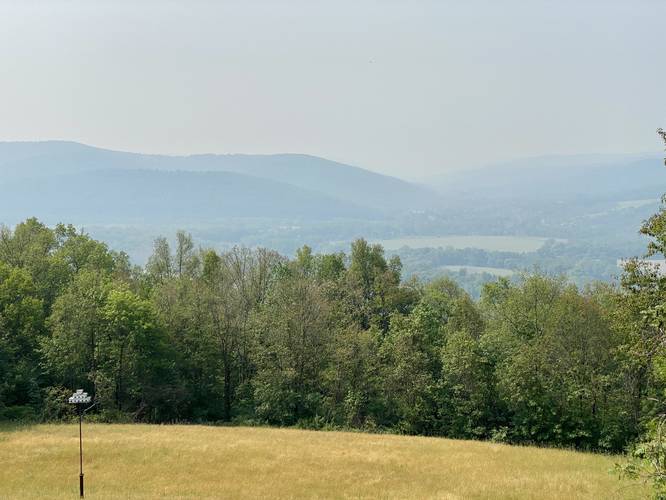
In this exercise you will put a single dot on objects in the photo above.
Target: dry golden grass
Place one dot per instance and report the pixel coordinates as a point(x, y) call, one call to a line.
point(148, 461)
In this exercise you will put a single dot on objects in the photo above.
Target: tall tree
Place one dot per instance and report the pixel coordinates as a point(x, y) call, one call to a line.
point(72, 351)
point(293, 338)
point(21, 327)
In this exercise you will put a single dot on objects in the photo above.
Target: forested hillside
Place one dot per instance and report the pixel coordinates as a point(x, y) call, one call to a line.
point(294, 180)
point(151, 197)
point(324, 340)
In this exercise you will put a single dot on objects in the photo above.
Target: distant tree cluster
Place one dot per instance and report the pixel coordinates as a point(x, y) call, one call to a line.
point(325, 341)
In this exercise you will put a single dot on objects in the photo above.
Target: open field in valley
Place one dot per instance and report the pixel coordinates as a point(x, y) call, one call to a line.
point(495, 271)
point(145, 461)
point(518, 244)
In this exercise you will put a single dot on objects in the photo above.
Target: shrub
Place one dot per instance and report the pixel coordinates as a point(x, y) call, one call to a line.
point(18, 414)
point(56, 407)
point(647, 460)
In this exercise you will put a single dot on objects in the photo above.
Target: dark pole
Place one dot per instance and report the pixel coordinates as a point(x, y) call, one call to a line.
point(80, 455)
point(79, 399)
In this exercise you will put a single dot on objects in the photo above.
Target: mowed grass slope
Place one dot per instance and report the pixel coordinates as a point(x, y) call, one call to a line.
point(147, 461)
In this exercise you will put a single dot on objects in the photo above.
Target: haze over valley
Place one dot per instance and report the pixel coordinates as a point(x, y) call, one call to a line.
point(572, 215)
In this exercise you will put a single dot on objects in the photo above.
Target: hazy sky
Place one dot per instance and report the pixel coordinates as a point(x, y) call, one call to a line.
point(408, 87)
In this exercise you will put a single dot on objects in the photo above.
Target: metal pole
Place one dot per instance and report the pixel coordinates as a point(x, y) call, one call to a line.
point(80, 455)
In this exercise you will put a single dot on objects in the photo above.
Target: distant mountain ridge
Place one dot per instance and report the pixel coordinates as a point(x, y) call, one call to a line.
point(53, 179)
point(577, 178)
point(69, 181)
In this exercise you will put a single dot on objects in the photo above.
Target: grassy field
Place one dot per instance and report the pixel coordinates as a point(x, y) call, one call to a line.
point(518, 244)
point(143, 461)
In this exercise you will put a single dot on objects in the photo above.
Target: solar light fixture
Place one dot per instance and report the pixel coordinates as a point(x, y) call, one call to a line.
point(80, 400)
point(79, 397)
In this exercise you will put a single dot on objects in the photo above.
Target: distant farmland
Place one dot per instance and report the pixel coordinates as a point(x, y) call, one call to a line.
point(151, 461)
point(495, 271)
point(520, 244)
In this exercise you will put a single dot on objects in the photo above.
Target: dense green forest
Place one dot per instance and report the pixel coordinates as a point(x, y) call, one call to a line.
point(326, 340)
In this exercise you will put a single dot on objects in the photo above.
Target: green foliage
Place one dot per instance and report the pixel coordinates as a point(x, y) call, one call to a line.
point(410, 365)
point(647, 459)
point(470, 388)
point(23, 413)
point(21, 325)
point(641, 314)
point(556, 373)
point(292, 340)
point(352, 379)
point(323, 341)
point(71, 352)
point(55, 407)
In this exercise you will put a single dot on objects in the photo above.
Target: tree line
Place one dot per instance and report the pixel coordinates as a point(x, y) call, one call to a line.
point(337, 340)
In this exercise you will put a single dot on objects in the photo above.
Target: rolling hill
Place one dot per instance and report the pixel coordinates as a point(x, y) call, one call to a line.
point(58, 180)
point(569, 178)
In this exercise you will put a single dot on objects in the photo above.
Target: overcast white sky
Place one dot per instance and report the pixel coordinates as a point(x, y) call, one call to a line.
point(409, 88)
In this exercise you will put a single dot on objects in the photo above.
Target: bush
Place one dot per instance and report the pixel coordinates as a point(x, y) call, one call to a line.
point(56, 406)
point(647, 459)
point(111, 416)
point(500, 435)
point(313, 423)
point(18, 414)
